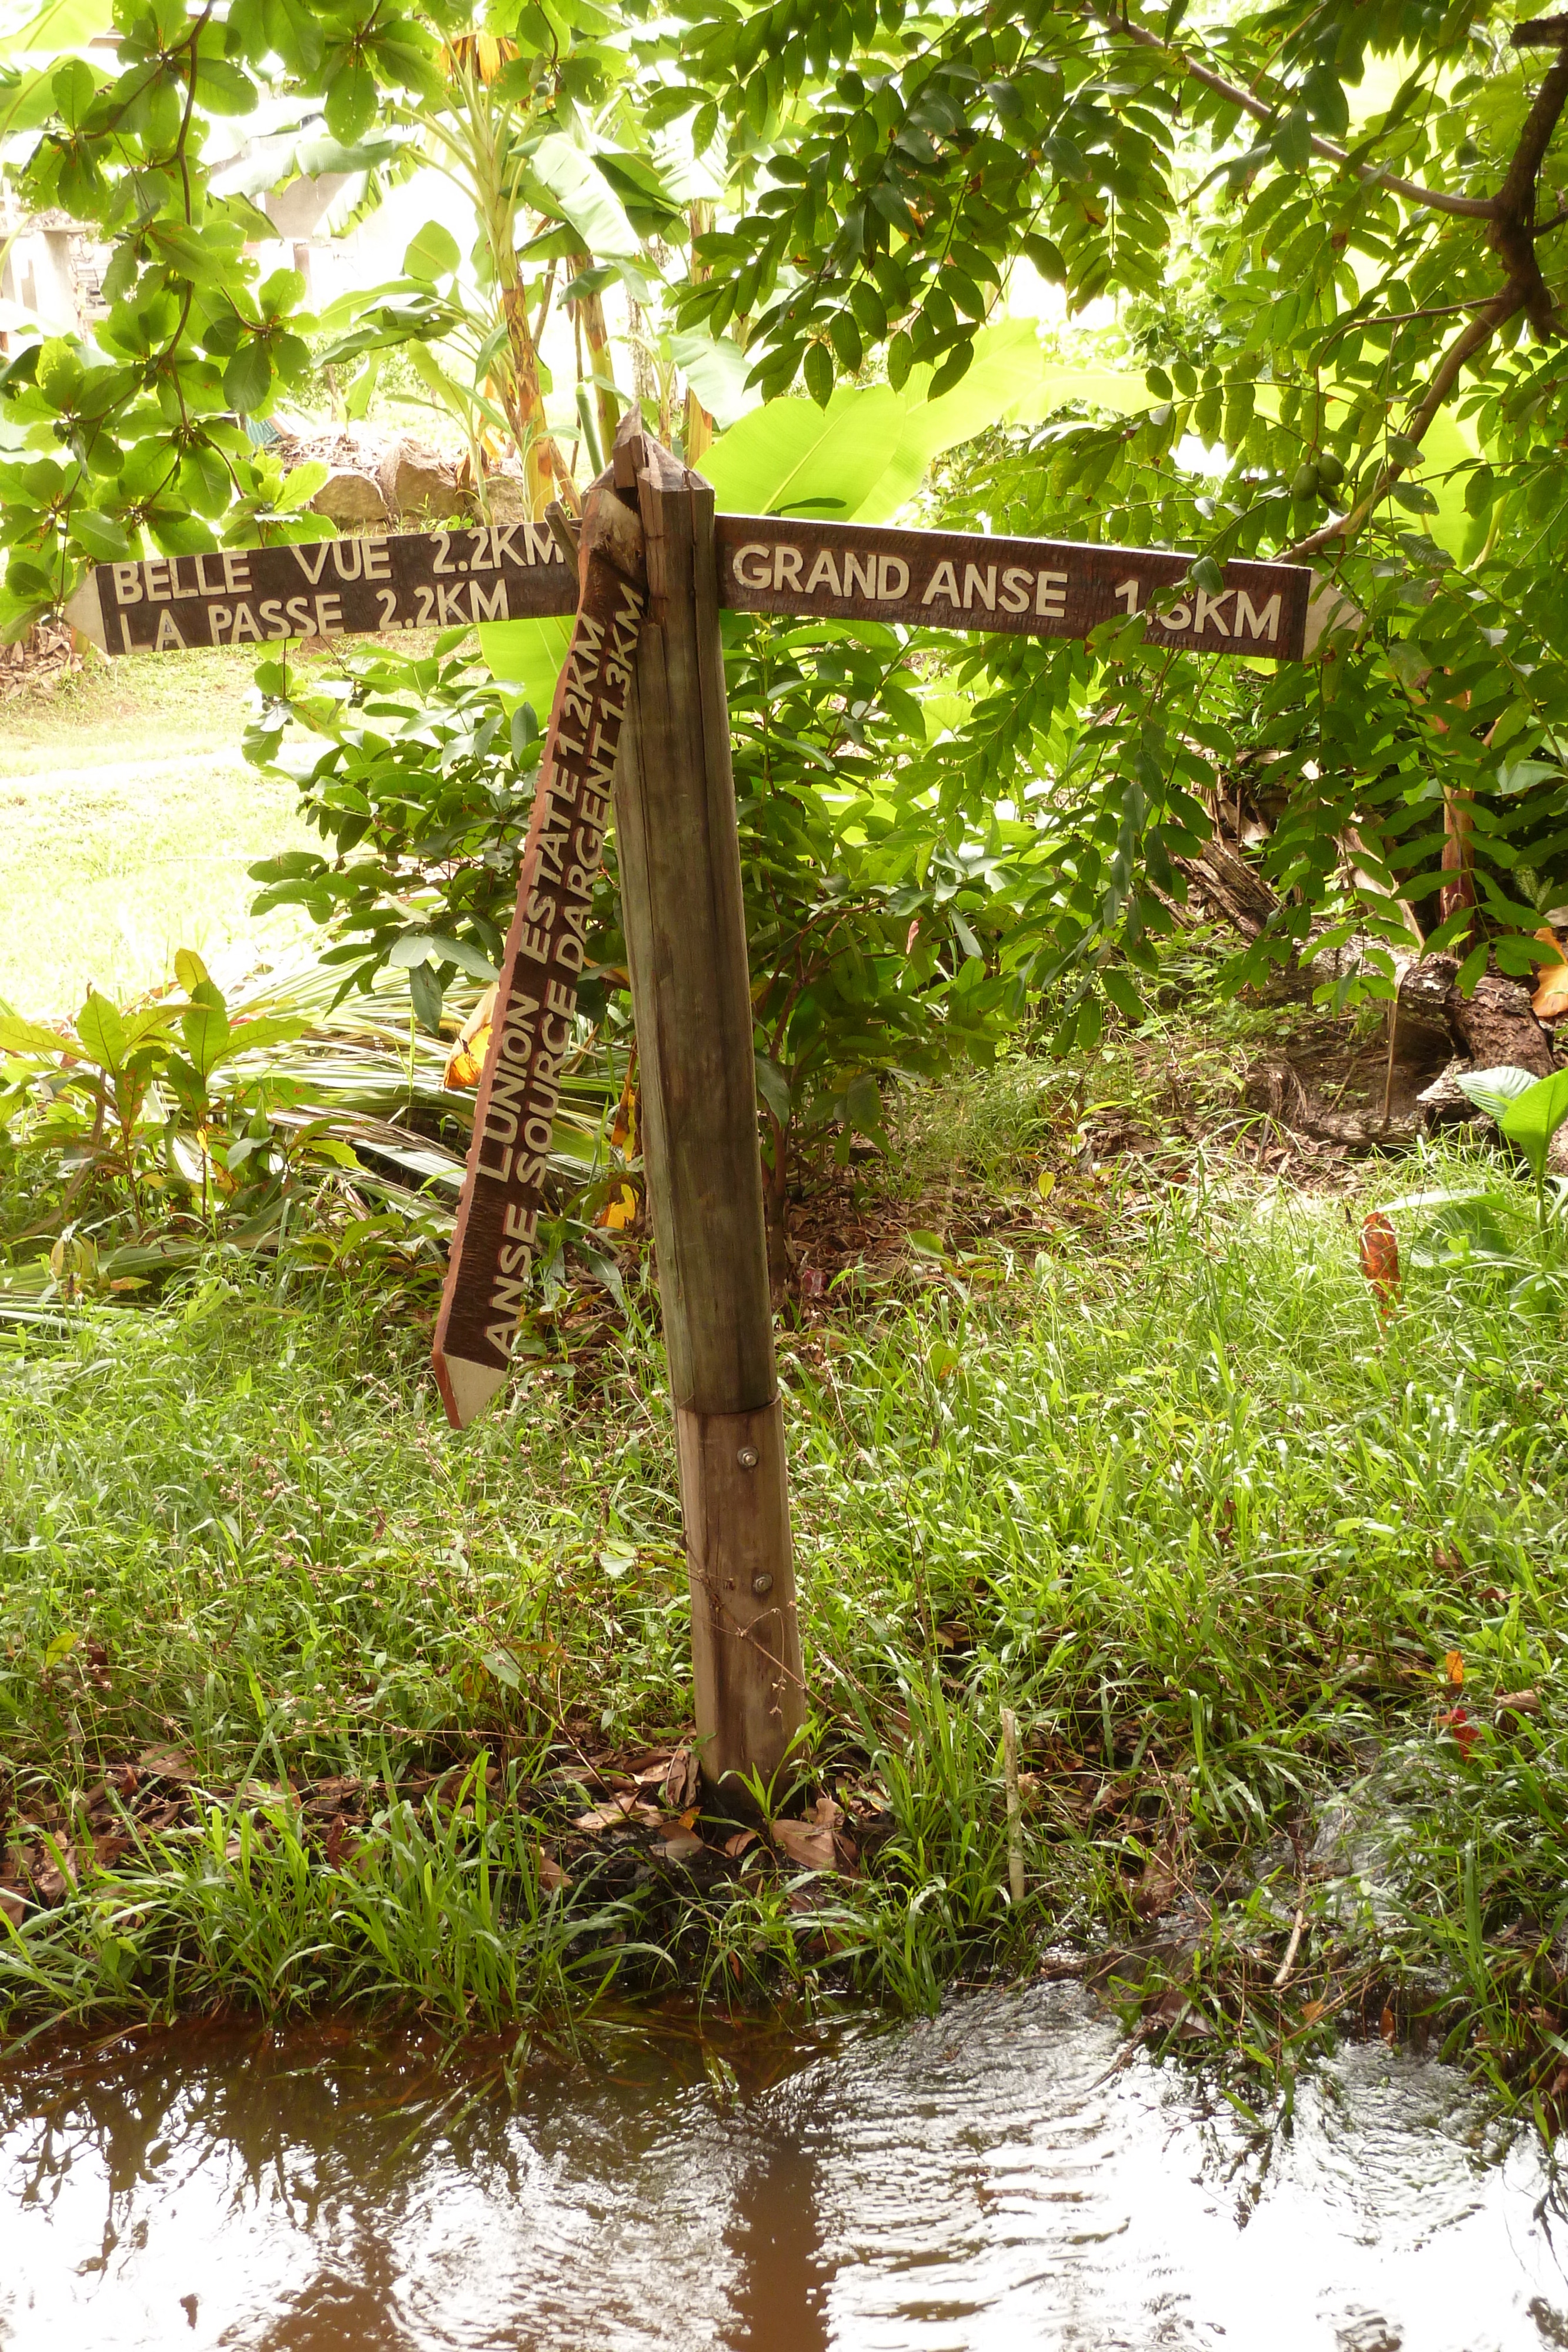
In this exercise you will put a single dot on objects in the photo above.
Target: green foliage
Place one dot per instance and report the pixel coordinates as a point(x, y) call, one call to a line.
point(414, 773)
point(139, 1141)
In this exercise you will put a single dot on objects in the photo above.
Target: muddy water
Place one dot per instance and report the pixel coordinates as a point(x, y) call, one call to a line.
point(990, 2179)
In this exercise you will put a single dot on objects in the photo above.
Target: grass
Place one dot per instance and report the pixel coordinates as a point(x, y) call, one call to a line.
point(1144, 1464)
point(127, 822)
point(129, 819)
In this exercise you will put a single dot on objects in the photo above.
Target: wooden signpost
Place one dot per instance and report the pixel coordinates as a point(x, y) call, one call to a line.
point(640, 726)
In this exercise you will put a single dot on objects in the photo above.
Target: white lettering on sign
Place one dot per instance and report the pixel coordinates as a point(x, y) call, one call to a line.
point(1015, 589)
point(1254, 622)
point(1051, 595)
point(825, 574)
point(1208, 610)
point(889, 588)
point(1126, 592)
point(980, 584)
point(744, 556)
point(168, 635)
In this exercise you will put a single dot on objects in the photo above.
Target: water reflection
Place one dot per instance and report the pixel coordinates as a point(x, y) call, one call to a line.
point(988, 2180)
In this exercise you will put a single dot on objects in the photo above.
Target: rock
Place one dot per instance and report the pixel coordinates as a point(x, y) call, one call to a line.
point(350, 498)
point(1497, 1026)
point(507, 497)
point(416, 481)
point(1445, 1101)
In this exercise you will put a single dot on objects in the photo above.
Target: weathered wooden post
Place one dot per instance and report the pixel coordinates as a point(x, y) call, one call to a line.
point(640, 710)
point(679, 853)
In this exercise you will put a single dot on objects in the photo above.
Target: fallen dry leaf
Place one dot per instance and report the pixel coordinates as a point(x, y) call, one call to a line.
point(1550, 1000)
point(1387, 2024)
point(808, 1847)
point(167, 1764)
point(1525, 1702)
point(1454, 1669)
point(679, 1845)
point(341, 1843)
point(617, 1813)
point(1311, 2012)
point(12, 1906)
point(681, 1780)
point(552, 1877)
point(736, 1846)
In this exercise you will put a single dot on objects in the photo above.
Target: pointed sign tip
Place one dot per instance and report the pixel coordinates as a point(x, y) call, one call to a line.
point(84, 611)
point(466, 1387)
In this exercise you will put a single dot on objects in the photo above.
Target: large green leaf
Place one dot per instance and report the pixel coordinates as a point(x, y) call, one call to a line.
point(1532, 1119)
point(524, 658)
point(716, 371)
point(31, 31)
point(19, 1036)
point(102, 1032)
point(1003, 383)
point(793, 457)
point(1494, 1090)
point(582, 195)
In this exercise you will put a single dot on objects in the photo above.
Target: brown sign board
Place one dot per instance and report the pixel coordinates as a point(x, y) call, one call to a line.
point(530, 1027)
point(327, 588)
point(766, 563)
point(1027, 587)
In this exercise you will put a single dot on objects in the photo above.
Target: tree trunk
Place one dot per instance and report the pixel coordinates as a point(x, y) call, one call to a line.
point(545, 470)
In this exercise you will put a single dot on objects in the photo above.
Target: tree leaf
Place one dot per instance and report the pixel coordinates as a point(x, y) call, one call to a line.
point(1494, 1090)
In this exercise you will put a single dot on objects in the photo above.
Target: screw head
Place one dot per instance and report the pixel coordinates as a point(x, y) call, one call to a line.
point(762, 1584)
point(748, 1457)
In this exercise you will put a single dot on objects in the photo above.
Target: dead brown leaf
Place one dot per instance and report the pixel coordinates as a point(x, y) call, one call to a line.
point(12, 1906)
point(809, 1845)
point(1550, 1000)
point(681, 1780)
point(736, 1846)
point(616, 1813)
point(168, 1764)
point(1524, 1701)
point(340, 1843)
point(553, 1879)
point(679, 1845)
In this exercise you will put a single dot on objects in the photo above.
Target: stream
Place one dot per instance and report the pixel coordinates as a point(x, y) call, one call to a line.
point(991, 2178)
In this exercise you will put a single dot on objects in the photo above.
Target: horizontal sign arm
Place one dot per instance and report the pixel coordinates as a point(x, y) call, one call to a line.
point(766, 564)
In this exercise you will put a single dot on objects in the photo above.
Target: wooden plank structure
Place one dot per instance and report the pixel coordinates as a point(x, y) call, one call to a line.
point(762, 563)
point(640, 725)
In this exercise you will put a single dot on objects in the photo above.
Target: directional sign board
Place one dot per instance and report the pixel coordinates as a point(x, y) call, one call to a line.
point(330, 588)
point(766, 564)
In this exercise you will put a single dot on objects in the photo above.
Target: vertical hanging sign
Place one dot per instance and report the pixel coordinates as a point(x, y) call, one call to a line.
point(498, 1219)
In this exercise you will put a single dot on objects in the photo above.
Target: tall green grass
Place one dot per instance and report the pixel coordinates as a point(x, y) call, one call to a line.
point(1157, 1475)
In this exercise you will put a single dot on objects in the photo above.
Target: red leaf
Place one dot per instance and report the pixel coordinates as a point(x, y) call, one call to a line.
point(1380, 1257)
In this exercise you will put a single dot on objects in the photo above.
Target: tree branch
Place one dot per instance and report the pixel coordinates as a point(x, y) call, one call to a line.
point(1436, 199)
point(1481, 330)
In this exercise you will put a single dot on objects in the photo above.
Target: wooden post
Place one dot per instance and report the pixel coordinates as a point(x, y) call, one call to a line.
point(679, 853)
